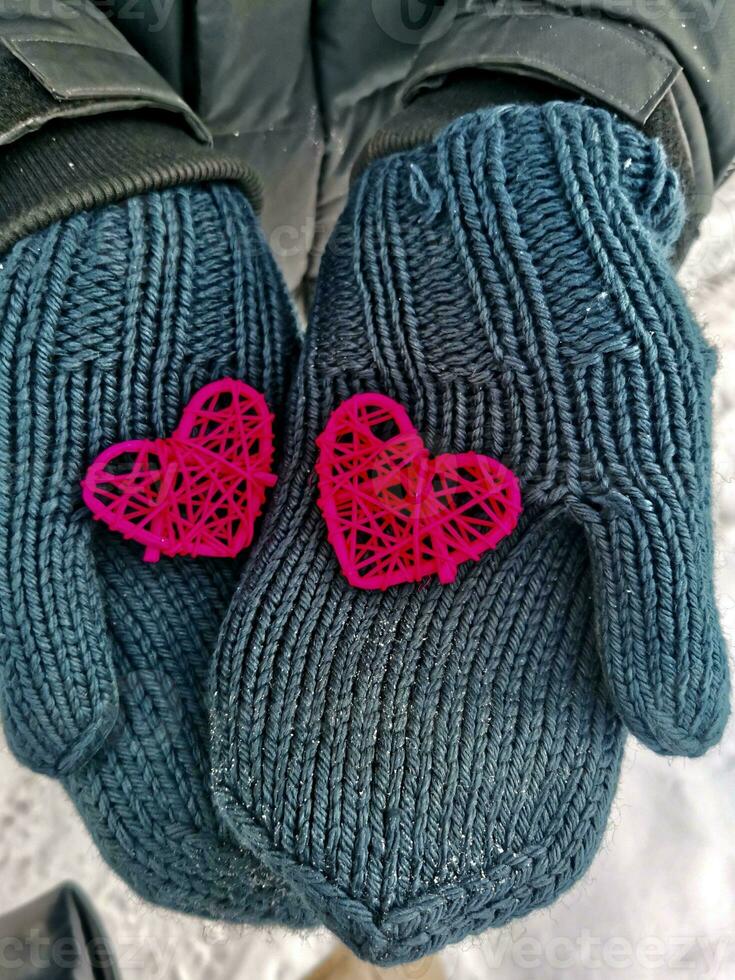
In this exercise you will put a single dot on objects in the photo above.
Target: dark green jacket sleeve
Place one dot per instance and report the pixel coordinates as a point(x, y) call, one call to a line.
point(85, 121)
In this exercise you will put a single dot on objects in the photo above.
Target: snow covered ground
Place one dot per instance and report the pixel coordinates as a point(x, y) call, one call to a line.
point(659, 901)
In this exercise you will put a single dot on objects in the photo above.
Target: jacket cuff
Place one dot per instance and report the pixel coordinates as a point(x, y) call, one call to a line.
point(70, 166)
point(85, 122)
point(433, 109)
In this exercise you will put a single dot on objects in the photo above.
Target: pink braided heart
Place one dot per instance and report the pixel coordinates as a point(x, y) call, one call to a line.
point(396, 515)
point(198, 492)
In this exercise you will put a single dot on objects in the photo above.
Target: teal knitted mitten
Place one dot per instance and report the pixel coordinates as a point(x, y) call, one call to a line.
point(110, 321)
point(435, 759)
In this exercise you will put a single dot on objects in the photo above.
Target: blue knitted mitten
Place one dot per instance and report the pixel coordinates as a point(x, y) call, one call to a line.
point(432, 760)
point(110, 321)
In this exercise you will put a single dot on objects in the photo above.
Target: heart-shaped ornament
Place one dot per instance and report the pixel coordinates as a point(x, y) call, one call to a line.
point(394, 514)
point(197, 493)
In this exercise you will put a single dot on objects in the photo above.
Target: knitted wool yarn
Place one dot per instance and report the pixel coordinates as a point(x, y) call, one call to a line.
point(432, 760)
point(110, 321)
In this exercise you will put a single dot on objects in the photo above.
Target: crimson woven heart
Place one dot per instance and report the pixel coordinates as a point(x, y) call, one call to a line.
point(395, 514)
point(198, 492)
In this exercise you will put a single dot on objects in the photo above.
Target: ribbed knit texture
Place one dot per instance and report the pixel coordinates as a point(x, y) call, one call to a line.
point(433, 760)
point(109, 322)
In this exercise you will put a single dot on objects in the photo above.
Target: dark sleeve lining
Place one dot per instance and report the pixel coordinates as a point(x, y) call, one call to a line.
point(75, 165)
point(78, 131)
point(61, 157)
